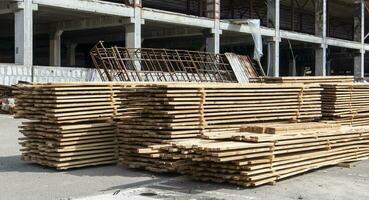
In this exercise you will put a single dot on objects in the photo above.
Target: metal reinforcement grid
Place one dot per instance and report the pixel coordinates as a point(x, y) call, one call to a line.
point(160, 65)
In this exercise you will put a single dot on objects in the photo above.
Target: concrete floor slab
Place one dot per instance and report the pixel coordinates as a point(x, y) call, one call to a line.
point(23, 180)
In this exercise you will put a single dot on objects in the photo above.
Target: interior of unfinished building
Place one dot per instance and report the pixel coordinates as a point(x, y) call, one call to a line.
point(300, 37)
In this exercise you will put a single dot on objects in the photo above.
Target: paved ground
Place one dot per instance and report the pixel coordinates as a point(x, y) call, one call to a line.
point(22, 180)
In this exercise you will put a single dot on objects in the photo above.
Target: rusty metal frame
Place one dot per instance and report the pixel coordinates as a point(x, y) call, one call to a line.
point(160, 65)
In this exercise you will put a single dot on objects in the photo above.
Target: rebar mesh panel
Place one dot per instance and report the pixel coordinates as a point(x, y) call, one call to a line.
point(161, 65)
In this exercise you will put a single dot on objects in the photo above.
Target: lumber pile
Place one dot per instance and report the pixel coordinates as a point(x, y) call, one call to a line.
point(271, 153)
point(160, 114)
point(5, 91)
point(69, 146)
point(346, 104)
point(66, 103)
point(70, 124)
point(310, 79)
point(157, 117)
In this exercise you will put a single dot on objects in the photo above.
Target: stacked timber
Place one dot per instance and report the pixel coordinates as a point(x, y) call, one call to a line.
point(272, 153)
point(310, 79)
point(66, 103)
point(157, 117)
point(70, 124)
point(69, 146)
point(346, 104)
point(160, 114)
point(5, 91)
point(232, 106)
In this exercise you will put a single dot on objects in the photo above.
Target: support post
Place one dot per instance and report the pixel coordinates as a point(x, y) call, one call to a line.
point(71, 54)
point(273, 15)
point(23, 29)
point(213, 39)
point(133, 29)
point(321, 30)
point(359, 28)
point(55, 48)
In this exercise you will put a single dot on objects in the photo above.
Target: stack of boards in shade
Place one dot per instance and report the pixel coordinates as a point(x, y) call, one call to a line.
point(70, 125)
point(346, 104)
point(160, 114)
point(265, 153)
point(310, 79)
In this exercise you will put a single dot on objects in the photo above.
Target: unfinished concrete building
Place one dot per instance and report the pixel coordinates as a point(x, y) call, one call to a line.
point(44, 40)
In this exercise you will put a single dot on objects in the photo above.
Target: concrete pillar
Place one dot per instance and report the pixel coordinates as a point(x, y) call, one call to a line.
point(23, 29)
point(133, 30)
point(213, 39)
point(133, 36)
point(71, 54)
point(273, 16)
point(329, 64)
point(320, 61)
point(321, 30)
point(55, 48)
point(359, 23)
point(292, 67)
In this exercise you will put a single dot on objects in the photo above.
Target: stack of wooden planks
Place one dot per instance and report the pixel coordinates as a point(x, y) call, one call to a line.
point(69, 146)
point(310, 79)
point(67, 102)
point(346, 104)
point(271, 153)
point(70, 125)
point(157, 116)
point(162, 113)
point(5, 91)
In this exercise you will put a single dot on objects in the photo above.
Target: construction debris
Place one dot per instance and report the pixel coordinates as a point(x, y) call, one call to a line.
point(243, 69)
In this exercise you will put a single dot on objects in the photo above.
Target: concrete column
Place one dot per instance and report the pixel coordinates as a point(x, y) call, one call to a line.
point(55, 48)
point(321, 30)
point(359, 23)
point(292, 67)
point(213, 39)
point(273, 16)
point(133, 36)
point(133, 30)
point(23, 29)
point(71, 54)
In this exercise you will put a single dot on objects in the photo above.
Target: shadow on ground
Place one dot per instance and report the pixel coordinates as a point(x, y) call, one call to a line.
point(15, 164)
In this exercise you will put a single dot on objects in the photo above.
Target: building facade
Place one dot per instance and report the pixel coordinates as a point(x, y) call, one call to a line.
point(44, 40)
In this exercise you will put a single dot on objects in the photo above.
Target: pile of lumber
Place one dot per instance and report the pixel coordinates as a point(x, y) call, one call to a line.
point(67, 103)
point(155, 115)
point(70, 124)
point(346, 104)
point(69, 146)
point(271, 152)
point(5, 91)
point(310, 79)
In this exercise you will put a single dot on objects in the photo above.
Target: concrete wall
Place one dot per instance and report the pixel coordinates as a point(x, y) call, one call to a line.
point(11, 74)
